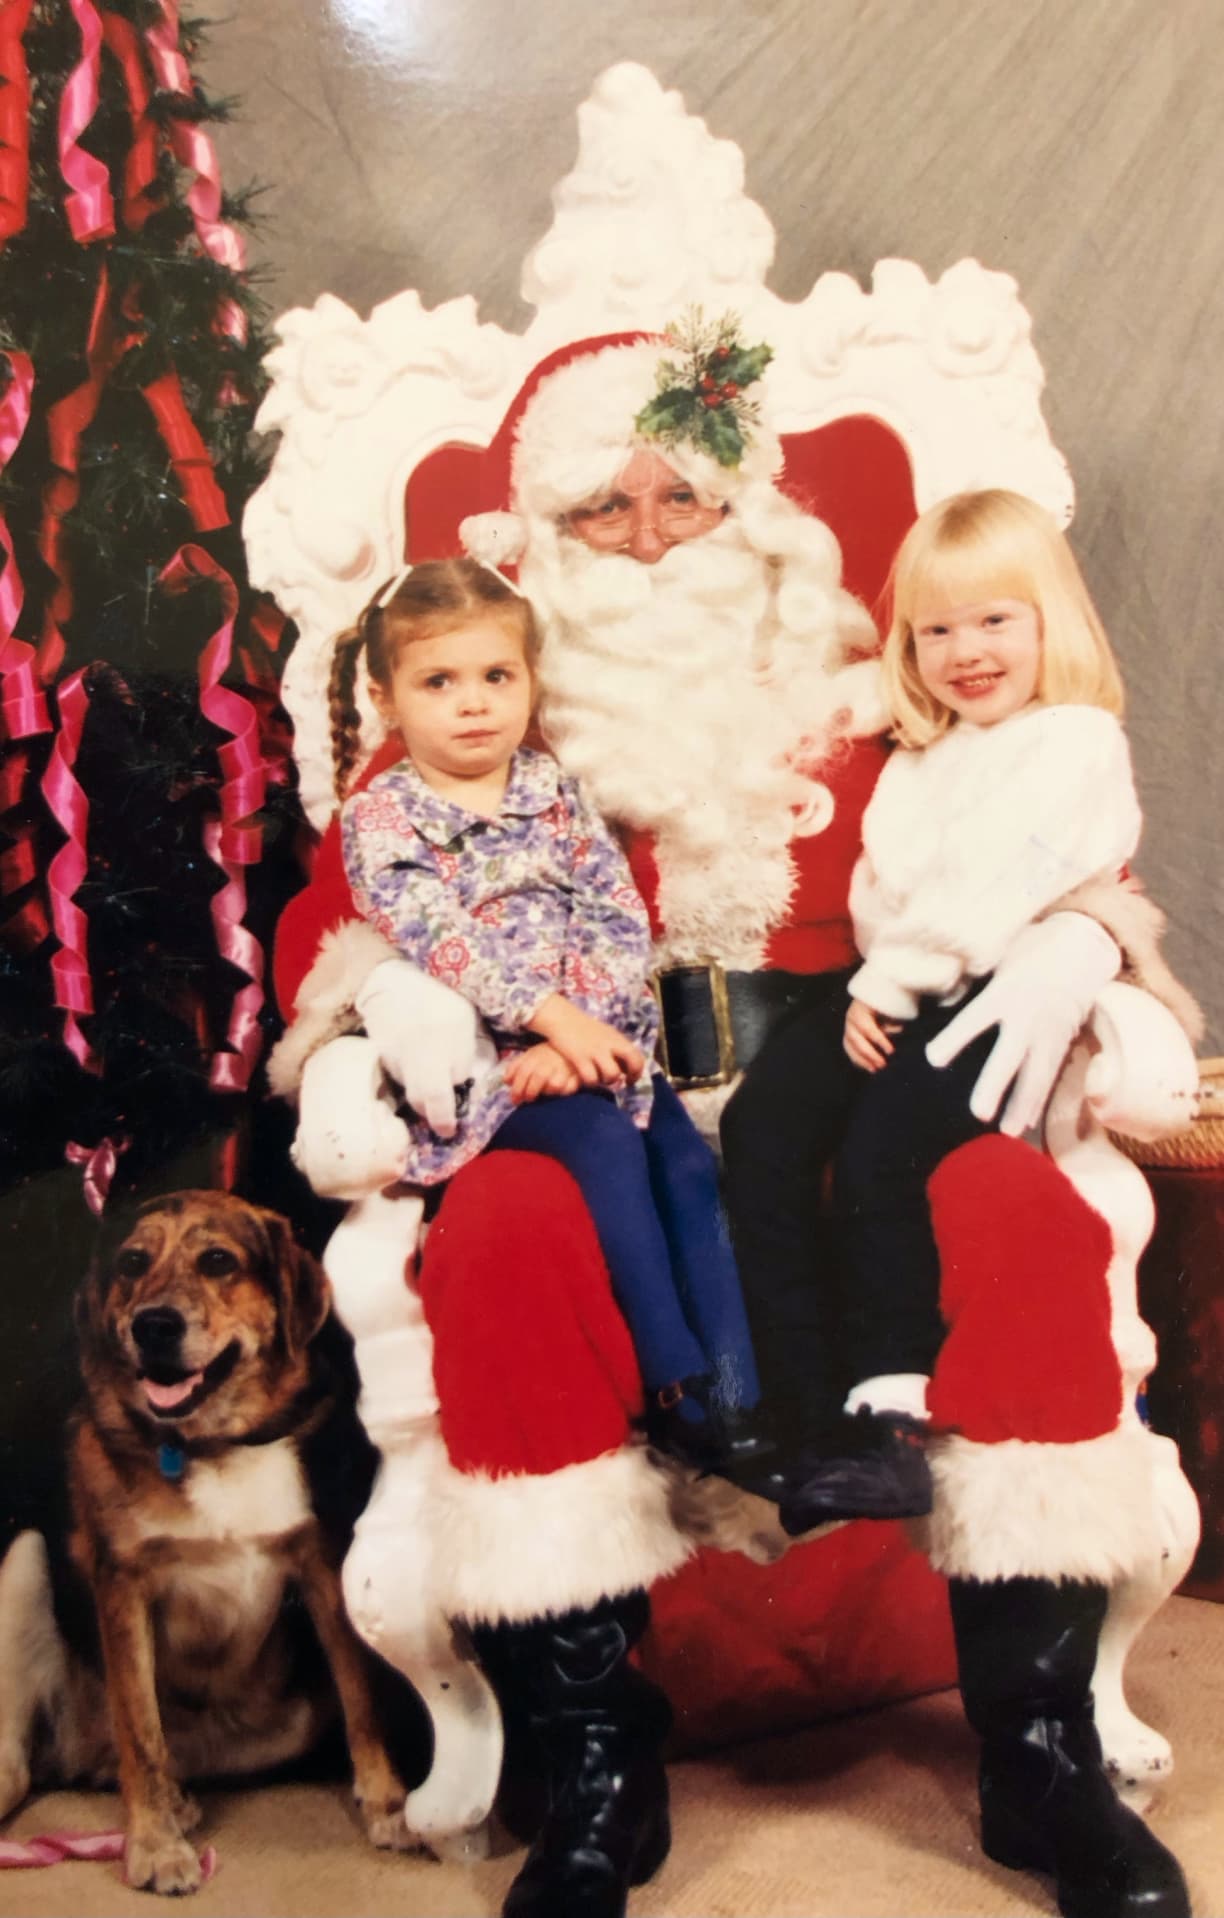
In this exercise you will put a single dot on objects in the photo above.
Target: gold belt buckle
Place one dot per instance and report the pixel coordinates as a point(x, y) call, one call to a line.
point(724, 1036)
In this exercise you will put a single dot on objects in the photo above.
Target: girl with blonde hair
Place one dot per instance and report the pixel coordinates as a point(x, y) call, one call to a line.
point(1011, 786)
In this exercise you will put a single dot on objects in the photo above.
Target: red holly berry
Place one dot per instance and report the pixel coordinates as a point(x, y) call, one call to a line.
point(722, 352)
point(730, 389)
point(711, 399)
point(708, 383)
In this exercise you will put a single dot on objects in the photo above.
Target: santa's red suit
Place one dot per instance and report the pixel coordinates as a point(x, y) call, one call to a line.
point(553, 1508)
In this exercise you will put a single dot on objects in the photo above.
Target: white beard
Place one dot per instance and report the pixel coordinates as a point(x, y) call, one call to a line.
point(675, 694)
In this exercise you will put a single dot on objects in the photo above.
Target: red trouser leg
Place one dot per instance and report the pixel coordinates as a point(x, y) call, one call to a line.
point(1040, 1470)
point(550, 1501)
point(532, 1362)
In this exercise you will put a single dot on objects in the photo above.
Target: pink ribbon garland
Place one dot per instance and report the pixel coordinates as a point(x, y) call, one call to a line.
point(192, 148)
point(228, 842)
point(70, 965)
point(90, 209)
point(23, 707)
point(57, 1847)
point(14, 118)
point(98, 1165)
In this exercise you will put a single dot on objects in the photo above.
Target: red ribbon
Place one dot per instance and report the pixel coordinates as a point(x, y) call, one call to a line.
point(192, 148)
point(188, 454)
point(229, 842)
point(70, 965)
point(90, 209)
point(140, 166)
point(22, 704)
point(66, 422)
point(14, 118)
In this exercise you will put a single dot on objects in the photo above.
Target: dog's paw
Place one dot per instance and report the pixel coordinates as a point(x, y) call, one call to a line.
point(162, 1862)
point(386, 1826)
point(14, 1782)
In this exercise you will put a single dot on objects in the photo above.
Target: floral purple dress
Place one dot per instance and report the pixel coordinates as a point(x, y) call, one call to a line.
point(536, 900)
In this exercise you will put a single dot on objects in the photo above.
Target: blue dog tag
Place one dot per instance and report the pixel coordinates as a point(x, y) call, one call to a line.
point(171, 1461)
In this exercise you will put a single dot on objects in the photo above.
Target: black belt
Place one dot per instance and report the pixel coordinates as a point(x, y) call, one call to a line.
point(714, 1022)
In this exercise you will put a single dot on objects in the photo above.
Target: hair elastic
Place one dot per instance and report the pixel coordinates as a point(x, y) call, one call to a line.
point(388, 593)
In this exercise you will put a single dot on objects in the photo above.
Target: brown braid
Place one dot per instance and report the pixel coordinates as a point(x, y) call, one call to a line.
point(342, 707)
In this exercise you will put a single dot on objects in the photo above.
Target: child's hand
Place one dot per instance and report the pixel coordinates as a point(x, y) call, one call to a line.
point(866, 1037)
point(539, 1073)
point(598, 1053)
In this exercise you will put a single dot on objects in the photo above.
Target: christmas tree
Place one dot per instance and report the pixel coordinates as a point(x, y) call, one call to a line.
point(148, 823)
point(144, 799)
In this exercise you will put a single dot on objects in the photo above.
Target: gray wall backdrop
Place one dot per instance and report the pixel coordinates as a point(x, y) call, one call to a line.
point(1074, 143)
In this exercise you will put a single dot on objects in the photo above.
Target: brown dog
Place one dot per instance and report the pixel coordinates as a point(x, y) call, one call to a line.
point(192, 1518)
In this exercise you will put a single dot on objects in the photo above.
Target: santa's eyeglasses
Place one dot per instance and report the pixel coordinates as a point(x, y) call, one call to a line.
point(612, 520)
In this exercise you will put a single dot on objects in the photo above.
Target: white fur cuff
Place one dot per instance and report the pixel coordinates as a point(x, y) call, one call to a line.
point(1021, 1510)
point(324, 1007)
point(527, 1546)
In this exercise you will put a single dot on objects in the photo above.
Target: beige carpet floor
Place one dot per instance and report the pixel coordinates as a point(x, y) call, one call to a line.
point(869, 1817)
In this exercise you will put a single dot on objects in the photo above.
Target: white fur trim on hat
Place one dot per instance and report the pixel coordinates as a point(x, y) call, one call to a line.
point(1018, 1509)
point(577, 433)
point(495, 539)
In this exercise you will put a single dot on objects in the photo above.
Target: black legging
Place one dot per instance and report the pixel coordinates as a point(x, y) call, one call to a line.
point(840, 1293)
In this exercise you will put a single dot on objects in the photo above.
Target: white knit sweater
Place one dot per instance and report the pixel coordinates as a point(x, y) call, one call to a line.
point(969, 840)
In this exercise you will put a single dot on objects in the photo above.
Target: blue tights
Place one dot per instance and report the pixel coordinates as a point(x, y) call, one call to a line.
point(653, 1197)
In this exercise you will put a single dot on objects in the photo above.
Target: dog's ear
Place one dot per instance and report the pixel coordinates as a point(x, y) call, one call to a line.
point(301, 1284)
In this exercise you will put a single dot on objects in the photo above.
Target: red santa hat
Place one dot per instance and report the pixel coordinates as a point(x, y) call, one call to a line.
point(575, 428)
point(581, 428)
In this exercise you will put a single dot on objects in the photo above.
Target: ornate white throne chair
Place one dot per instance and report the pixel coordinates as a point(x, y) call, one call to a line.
point(654, 219)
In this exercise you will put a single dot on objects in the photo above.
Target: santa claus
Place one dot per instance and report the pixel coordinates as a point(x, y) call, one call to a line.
point(706, 676)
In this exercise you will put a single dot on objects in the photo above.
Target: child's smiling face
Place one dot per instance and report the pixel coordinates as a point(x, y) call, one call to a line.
point(461, 699)
point(981, 661)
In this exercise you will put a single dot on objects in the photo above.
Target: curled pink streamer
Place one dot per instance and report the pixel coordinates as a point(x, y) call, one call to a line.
point(192, 148)
point(98, 1164)
point(56, 1847)
point(70, 965)
point(90, 209)
point(229, 842)
point(231, 1071)
point(22, 704)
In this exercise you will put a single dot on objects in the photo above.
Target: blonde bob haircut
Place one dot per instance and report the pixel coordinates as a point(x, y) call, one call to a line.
point(994, 545)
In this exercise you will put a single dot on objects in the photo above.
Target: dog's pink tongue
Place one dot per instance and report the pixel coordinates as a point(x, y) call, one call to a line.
point(164, 1398)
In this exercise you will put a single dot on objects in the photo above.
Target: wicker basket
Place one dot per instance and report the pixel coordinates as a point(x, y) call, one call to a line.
point(1202, 1141)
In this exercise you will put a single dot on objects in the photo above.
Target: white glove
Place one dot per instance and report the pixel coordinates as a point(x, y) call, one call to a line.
point(1042, 992)
point(429, 1039)
point(349, 1141)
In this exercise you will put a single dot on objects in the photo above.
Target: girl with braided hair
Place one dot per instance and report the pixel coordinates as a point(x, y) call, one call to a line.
point(482, 863)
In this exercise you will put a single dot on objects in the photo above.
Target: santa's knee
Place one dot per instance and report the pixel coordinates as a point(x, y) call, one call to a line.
point(533, 1364)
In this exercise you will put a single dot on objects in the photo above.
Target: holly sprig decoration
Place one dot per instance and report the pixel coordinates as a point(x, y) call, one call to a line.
point(701, 397)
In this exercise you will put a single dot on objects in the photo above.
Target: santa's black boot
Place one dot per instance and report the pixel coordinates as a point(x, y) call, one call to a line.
point(599, 1726)
point(1026, 1648)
